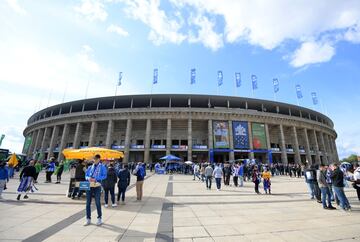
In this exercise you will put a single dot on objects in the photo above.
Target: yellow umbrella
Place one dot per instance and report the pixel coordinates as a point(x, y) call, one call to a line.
point(13, 161)
point(88, 153)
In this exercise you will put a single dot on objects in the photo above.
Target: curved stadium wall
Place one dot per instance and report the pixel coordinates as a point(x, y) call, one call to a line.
point(193, 127)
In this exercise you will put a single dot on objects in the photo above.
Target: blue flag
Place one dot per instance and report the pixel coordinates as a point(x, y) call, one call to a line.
point(120, 78)
point(298, 92)
point(238, 79)
point(155, 80)
point(276, 85)
point(254, 82)
point(314, 98)
point(220, 78)
point(192, 76)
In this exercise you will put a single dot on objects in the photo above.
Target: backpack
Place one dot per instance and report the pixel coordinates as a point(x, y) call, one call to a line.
point(141, 172)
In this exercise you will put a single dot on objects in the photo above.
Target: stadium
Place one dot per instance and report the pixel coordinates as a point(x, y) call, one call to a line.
point(192, 127)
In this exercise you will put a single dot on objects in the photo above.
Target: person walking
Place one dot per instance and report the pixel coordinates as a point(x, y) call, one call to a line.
point(241, 173)
point(27, 177)
point(123, 183)
point(356, 180)
point(50, 169)
point(227, 174)
point(266, 175)
point(256, 179)
point(325, 189)
point(79, 176)
point(310, 179)
point(95, 174)
point(140, 174)
point(109, 185)
point(218, 174)
point(196, 171)
point(38, 168)
point(59, 171)
point(338, 184)
point(202, 172)
point(235, 173)
point(4, 177)
point(208, 176)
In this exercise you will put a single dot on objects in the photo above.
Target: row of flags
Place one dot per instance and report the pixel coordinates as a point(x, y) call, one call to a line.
point(254, 82)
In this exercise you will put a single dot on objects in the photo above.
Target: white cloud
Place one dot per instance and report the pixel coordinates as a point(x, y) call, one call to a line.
point(92, 10)
point(14, 5)
point(162, 28)
point(85, 60)
point(118, 30)
point(353, 34)
point(311, 53)
point(206, 34)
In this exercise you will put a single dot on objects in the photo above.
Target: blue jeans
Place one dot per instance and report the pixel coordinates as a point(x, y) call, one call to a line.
point(11, 172)
point(340, 194)
point(112, 194)
point(96, 191)
point(208, 182)
point(311, 189)
point(325, 195)
point(218, 183)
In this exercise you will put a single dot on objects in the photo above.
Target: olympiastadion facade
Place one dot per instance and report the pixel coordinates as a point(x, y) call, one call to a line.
point(193, 127)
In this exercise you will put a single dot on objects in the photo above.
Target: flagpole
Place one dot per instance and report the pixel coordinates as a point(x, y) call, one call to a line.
point(87, 88)
point(65, 90)
point(116, 89)
point(275, 96)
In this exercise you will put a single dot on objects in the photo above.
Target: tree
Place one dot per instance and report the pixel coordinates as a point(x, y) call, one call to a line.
point(351, 159)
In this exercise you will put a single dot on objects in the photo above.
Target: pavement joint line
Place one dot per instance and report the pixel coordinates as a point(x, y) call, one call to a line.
point(48, 232)
point(165, 229)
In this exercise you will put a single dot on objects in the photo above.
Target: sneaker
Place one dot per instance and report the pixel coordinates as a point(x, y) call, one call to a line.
point(114, 205)
point(26, 197)
point(106, 205)
point(88, 222)
point(99, 222)
point(18, 197)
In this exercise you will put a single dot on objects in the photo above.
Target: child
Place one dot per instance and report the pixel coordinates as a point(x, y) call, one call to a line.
point(4, 177)
point(266, 180)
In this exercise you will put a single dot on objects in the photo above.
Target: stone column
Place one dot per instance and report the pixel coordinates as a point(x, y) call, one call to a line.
point(231, 142)
point(284, 158)
point(190, 138)
point(37, 142)
point(127, 141)
point(54, 136)
point(43, 142)
point(63, 140)
point(324, 148)
point(268, 142)
point(109, 133)
point(147, 141)
point(296, 150)
point(328, 148)
point(210, 137)
point(168, 137)
point(78, 131)
point(317, 158)
point(335, 150)
point(307, 147)
point(251, 154)
point(92, 135)
point(32, 145)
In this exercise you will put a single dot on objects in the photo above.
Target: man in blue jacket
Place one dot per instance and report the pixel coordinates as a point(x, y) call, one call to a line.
point(94, 174)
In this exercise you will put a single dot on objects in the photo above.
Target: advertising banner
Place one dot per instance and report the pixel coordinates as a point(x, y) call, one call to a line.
point(240, 134)
point(259, 136)
point(27, 144)
point(221, 134)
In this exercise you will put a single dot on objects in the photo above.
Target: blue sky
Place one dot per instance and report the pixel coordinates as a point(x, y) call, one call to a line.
point(52, 48)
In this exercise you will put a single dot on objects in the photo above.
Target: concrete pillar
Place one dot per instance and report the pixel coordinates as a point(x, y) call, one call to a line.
point(109, 132)
point(324, 148)
point(296, 144)
point(307, 147)
point(268, 144)
point(78, 131)
point(251, 154)
point(92, 135)
point(127, 141)
point(43, 142)
point(317, 158)
point(231, 142)
point(54, 136)
point(335, 150)
point(284, 158)
point(168, 137)
point(38, 142)
point(63, 141)
point(210, 137)
point(147, 141)
point(190, 138)
point(33, 141)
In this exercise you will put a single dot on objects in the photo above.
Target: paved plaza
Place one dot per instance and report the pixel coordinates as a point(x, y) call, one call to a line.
point(176, 208)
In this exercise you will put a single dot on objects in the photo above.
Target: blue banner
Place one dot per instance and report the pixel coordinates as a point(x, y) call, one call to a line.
point(276, 85)
point(192, 76)
point(298, 92)
point(220, 78)
point(254, 82)
point(240, 134)
point(156, 72)
point(120, 78)
point(314, 98)
point(238, 79)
